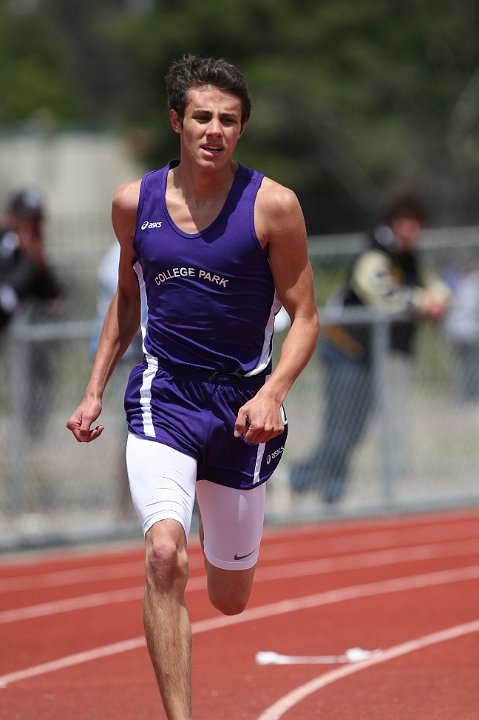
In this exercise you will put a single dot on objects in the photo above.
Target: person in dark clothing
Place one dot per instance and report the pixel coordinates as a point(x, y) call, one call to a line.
point(387, 275)
point(28, 284)
point(24, 271)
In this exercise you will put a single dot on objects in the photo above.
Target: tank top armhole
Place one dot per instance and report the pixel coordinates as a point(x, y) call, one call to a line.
point(254, 188)
point(141, 200)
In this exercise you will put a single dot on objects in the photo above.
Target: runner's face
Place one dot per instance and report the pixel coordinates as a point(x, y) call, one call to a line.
point(211, 126)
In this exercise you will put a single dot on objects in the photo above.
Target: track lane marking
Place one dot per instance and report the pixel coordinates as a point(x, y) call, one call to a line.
point(281, 607)
point(373, 539)
point(362, 541)
point(81, 575)
point(391, 556)
point(284, 704)
point(280, 572)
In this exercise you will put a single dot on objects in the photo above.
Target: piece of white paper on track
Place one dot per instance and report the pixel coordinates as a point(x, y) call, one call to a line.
point(269, 657)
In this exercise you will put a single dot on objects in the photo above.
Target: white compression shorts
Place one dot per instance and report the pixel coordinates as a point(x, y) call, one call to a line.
point(163, 486)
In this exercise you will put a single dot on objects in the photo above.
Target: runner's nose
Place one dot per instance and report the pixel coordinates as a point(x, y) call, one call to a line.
point(214, 127)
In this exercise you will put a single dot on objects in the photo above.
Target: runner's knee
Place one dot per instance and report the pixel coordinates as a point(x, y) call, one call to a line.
point(166, 563)
point(229, 603)
point(229, 591)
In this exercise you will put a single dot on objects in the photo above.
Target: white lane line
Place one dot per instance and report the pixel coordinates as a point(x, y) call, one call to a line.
point(71, 660)
point(70, 605)
point(281, 607)
point(71, 577)
point(293, 547)
point(280, 572)
point(82, 575)
point(360, 561)
point(282, 706)
point(383, 538)
point(110, 597)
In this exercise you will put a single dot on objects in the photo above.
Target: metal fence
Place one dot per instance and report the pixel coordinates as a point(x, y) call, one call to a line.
point(419, 448)
point(53, 490)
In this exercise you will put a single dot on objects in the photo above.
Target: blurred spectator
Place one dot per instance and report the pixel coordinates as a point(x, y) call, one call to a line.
point(24, 271)
point(387, 275)
point(29, 285)
point(462, 326)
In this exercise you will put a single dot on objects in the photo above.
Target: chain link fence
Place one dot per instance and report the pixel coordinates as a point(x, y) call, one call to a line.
point(419, 450)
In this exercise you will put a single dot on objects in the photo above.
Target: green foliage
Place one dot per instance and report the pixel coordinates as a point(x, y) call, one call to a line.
point(351, 98)
point(34, 81)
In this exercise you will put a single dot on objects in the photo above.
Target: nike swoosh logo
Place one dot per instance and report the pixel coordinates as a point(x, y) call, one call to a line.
point(242, 557)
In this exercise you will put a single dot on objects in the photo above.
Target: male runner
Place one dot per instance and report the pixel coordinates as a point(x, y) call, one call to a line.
point(209, 251)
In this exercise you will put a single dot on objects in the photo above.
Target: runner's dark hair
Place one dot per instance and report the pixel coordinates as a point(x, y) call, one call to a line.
point(192, 71)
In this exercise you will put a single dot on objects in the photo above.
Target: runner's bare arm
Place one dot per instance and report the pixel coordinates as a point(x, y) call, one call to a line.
point(280, 227)
point(121, 321)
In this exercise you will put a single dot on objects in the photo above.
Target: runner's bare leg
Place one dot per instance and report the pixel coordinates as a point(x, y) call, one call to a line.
point(166, 620)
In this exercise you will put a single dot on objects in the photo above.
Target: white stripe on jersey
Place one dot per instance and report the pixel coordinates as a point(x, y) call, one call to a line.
point(143, 301)
point(150, 372)
point(145, 396)
point(266, 351)
point(259, 460)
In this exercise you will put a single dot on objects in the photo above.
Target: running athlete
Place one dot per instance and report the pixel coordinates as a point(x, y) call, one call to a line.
point(210, 250)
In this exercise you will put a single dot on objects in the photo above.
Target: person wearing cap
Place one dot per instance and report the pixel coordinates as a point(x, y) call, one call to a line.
point(29, 285)
point(24, 271)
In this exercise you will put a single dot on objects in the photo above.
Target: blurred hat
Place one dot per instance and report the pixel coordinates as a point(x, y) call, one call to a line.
point(26, 204)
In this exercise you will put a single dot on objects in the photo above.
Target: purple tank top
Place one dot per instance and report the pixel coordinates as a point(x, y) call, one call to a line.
point(208, 299)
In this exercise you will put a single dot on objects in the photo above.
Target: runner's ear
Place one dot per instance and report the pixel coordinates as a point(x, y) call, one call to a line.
point(175, 121)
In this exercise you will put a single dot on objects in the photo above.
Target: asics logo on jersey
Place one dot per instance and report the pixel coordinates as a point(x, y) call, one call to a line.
point(150, 225)
point(274, 454)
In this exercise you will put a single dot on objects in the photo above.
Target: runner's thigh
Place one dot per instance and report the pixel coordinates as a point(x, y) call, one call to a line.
point(162, 482)
point(232, 524)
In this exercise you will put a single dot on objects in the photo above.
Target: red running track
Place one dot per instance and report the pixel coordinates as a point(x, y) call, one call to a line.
point(404, 590)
